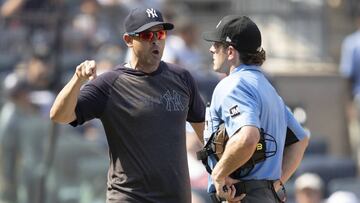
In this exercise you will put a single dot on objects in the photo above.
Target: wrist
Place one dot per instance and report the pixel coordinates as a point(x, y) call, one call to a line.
point(216, 176)
point(278, 184)
point(78, 79)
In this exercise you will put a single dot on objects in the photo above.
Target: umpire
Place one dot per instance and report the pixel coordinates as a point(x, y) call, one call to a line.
point(251, 110)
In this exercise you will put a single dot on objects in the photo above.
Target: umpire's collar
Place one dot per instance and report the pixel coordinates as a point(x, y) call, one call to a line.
point(244, 67)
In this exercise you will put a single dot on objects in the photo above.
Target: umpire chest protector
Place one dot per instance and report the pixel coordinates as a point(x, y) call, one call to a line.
point(215, 146)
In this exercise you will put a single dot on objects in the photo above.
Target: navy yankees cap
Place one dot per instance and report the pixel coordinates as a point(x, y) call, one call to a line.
point(140, 19)
point(239, 31)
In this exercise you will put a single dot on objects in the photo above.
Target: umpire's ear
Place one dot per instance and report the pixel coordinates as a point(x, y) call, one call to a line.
point(128, 40)
point(232, 53)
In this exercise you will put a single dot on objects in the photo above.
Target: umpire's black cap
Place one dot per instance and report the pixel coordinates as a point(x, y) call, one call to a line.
point(239, 31)
point(141, 19)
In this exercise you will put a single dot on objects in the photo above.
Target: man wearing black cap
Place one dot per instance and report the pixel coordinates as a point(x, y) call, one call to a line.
point(143, 106)
point(251, 111)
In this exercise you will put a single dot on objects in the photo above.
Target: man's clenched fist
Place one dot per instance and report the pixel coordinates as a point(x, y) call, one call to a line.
point(86, 70)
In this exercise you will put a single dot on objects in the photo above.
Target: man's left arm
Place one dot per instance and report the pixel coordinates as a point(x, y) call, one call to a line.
point(296, 143)
point(292, 157)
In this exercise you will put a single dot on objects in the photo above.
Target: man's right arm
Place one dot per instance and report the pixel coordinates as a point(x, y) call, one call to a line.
point(63, 109)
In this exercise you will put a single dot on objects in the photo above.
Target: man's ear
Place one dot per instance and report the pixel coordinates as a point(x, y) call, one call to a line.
point(231, 52)
point(128, 40)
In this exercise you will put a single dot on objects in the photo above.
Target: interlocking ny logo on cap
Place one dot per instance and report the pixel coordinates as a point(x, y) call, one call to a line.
point(151, 13)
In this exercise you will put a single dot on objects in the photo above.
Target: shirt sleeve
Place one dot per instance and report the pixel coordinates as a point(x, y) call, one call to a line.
point(92, 99)
point(294, 128)
point(196, 111)
point(240, 108)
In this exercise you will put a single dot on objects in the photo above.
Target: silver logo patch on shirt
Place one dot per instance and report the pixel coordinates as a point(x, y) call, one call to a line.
point(234, 111)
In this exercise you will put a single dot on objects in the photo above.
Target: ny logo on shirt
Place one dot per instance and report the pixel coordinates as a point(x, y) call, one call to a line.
point(173, 101)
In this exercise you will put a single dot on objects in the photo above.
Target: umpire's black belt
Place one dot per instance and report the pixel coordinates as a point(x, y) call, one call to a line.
point(249, 185)
point(245, 187)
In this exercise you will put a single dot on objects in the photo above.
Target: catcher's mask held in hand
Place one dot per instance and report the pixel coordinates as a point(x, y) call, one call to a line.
point(216, 146)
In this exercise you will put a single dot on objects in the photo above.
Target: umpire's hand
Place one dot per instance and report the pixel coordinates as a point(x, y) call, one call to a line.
point(86, 70)
point(225, 189)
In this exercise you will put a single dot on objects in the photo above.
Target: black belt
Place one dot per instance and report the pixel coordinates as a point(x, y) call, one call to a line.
point(249, 185)
point(245, 187)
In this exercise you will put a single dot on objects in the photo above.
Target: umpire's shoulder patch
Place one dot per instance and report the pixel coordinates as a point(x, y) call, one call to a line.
point(234, 111)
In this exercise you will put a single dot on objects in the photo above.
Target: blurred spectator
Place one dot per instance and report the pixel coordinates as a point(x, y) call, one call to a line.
point(11, 7)
point(22, 140)
point(110, 54)
point(183, 47)
point(309, 188)
point(350, 61)
point(36, 16)
point(350, 69)
point(85, 25)
point(93, 31)
point(342, 197)
point(37, 72)
point(130, 4)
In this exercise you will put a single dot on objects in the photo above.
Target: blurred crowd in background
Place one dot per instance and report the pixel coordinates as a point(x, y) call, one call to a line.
point(42, 42)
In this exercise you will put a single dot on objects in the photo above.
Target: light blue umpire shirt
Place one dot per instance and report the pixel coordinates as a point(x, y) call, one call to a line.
point(246, 98)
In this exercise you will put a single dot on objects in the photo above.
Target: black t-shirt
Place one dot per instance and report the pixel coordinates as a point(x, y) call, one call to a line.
point(144, 119)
